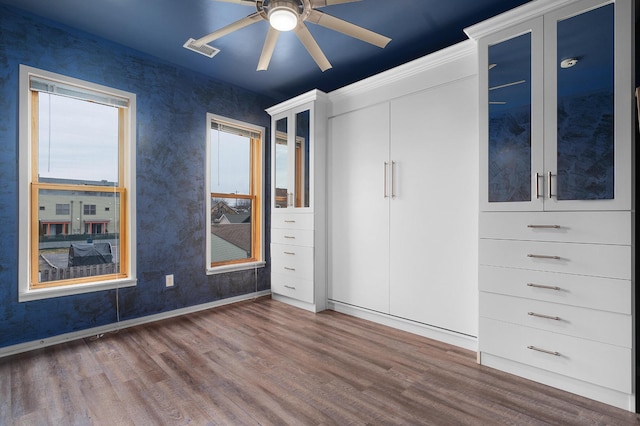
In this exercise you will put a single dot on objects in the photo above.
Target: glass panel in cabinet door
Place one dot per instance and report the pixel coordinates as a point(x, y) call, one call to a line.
point(585, 62)
point(302, 159)
point(281, 165)
point(510, 120)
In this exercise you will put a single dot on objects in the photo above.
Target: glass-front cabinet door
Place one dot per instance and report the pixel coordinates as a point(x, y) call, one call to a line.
point(558, 116)
point(511, 133)
point(292, 155)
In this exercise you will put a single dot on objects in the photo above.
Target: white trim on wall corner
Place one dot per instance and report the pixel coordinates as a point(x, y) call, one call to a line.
point(96, 331)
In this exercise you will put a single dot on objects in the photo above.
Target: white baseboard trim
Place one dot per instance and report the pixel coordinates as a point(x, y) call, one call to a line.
point(446, 336)
point(54, 340)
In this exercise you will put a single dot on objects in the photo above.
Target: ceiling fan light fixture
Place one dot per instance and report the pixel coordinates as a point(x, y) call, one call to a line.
point(283, 16)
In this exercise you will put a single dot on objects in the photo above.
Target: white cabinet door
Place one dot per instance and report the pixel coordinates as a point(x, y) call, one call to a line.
point(358, 210)
point(434, 147)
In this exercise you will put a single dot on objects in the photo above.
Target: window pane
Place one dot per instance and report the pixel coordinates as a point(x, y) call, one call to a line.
point(77, 139)
point(231, 236)
point(230, 163)
point(78, 245)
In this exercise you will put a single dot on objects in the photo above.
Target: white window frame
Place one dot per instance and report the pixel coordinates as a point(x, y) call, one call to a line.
point(25, 293)
point(260, 190)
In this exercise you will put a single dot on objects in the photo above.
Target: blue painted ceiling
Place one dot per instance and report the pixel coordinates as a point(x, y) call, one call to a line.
point(161, 27)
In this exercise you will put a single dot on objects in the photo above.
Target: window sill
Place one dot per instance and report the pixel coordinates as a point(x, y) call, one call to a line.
point(237, 267)
point(47, 293)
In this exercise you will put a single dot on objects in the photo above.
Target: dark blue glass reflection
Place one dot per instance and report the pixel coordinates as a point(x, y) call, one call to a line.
point(585, 106)
point(510, 120)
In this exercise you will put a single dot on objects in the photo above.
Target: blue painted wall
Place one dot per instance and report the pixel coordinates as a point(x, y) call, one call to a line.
point(172, 104)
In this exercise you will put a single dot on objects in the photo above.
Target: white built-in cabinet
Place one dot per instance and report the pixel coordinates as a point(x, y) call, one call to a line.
point(556, 214)
point(298, 201)
point(402, 197)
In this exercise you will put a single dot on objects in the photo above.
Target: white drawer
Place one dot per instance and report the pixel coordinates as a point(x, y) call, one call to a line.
point(297, 237)
point(606, 365)
point(606, 294)
point(579, 227)
point(610, 261)
point(292, 220)
point(601, 326)
point(295, 288)
point(298, 265)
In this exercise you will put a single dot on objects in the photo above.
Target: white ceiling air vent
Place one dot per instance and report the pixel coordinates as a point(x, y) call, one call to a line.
point(204, 49)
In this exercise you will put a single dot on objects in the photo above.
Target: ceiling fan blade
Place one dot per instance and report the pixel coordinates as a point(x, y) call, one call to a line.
point(254, 17)
point(352, 30)
point(267, 49)
point(312, 47)
point(323, 3)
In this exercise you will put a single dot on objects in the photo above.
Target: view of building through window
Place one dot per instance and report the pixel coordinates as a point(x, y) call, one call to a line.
point(76, 186)
point(235, 177)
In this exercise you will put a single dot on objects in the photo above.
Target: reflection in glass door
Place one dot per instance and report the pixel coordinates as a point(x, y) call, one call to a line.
point(509, 167)
point(585, 138)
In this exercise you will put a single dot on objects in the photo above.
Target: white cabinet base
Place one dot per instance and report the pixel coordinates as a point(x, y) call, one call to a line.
point(457, 339)
point(311, 307)
point(569, 384)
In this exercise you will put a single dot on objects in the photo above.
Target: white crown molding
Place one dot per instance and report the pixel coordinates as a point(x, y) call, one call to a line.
point(417, 66)
point(515, 16)
point(309, 96)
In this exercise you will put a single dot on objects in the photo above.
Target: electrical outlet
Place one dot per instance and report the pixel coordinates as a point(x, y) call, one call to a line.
point(168, 280)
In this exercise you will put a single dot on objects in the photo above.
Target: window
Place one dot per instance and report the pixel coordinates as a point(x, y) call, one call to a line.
point(234, 195)
point(77, 157)
point(62, 209)
point(90, 209)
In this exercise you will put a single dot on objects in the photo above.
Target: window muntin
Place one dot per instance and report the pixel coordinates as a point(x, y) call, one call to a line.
point(234, 194)
point(77, 164)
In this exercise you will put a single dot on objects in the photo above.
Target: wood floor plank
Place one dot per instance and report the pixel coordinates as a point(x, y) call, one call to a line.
point(266, 363)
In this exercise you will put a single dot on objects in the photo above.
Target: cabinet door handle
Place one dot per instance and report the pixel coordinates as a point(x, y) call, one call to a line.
point(549, 185)
point(289, 287)
point(533, 348)
point(537, 185)
point(289, 269)
point(393, 167)
point(547, 287)
point(543, 256)
point(533, 314)
point(544, 226)
point(384, 187)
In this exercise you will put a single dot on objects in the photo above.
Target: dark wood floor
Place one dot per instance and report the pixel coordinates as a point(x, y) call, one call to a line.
point(264, 362)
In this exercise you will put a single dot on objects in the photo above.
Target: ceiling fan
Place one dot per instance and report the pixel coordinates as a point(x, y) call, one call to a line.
point(287, 15)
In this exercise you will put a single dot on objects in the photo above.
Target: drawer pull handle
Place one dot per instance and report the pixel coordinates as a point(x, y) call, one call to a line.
point(533, 314)
point(289, 287)
point(533, 348)
point(289, 237)
point(544, 226)
point(548, 287)
point(289, 269)
point(289, 221)
point(543, 256)
point(290, 253)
